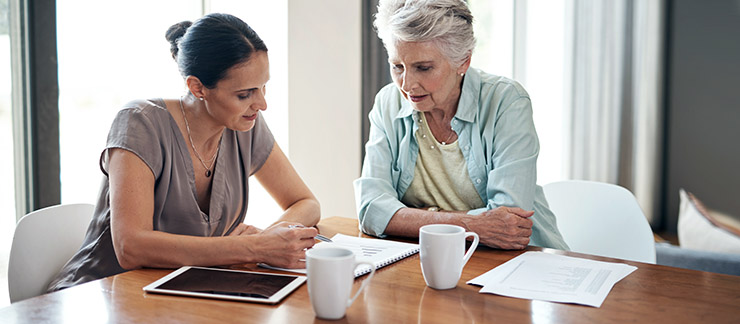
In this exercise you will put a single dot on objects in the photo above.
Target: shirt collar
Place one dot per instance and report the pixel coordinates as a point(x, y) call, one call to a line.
point(467, 107)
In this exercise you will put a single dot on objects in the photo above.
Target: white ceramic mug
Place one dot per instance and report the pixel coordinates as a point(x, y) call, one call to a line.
point(442, 254)
point(331, 272)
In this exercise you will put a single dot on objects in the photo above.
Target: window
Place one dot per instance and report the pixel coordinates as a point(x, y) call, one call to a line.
point(525, 40)
point(106, 59)
point(116, 52)
point(7, 187)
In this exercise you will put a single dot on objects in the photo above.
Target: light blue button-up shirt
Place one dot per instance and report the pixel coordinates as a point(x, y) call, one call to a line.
point(498, 140)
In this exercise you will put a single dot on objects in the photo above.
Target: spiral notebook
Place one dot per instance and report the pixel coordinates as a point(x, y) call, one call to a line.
point(376, 251)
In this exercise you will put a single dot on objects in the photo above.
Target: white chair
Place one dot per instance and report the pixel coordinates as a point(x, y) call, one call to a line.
point(43, 242)
point(601, 219)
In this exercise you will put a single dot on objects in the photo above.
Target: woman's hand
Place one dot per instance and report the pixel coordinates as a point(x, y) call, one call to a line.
point(284, 244)
point(507, 228)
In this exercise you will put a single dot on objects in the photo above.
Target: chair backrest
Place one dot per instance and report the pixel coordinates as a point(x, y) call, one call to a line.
point(43, 242)
point(601, 219)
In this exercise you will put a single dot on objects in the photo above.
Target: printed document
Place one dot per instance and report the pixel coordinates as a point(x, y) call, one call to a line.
point(552, 277)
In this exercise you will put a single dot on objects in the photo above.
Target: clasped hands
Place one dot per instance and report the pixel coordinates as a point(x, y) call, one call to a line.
point(507, 228)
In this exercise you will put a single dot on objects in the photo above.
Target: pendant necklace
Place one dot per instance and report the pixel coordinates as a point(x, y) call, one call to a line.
point(452, 132)
point(212, 160)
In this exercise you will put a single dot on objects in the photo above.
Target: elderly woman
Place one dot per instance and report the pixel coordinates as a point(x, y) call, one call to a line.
point(449, 143)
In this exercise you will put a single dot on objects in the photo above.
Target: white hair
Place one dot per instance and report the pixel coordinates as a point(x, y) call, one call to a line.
point(448, 23)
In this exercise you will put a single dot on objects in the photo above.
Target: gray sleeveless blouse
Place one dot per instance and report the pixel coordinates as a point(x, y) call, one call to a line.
point(146, 128)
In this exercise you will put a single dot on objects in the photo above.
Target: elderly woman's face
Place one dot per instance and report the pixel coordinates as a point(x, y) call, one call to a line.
point(424, 75)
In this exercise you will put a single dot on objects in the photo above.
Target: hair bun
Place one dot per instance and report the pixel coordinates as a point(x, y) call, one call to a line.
point(174, 33)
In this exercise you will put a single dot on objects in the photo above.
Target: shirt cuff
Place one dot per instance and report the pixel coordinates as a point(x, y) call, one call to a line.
point(379, 214)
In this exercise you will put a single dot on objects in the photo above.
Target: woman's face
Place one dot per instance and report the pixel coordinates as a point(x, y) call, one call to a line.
point(425, 76)
point(238, 97)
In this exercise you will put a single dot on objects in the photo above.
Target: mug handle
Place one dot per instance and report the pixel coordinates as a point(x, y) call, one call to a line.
point(468, 254)
point(364, 283)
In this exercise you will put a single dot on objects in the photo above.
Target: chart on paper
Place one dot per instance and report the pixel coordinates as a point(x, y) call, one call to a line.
point(376, 251)
point(362, 251)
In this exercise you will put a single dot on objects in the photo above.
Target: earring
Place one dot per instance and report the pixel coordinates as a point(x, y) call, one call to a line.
point(462, 74)
point(201, 98)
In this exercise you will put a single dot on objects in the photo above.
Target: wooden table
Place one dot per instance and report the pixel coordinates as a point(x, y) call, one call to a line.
point(398, 294)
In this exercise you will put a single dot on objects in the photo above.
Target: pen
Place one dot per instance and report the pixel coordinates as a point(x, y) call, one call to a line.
point(317, 237)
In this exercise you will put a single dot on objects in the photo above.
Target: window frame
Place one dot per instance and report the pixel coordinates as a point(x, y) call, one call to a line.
point(35, 104)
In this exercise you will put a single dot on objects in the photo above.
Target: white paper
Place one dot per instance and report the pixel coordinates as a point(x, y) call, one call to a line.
point(552, 277)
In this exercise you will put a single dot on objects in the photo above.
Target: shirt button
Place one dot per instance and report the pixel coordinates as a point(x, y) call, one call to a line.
point(431, 147)
point(477, 180)
point(467, 147)
point(424, 136)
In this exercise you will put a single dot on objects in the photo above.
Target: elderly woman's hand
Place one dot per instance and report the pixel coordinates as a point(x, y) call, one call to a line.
point(507, 228)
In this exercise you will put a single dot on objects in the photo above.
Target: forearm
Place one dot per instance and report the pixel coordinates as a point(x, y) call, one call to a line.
point(305, 211)
point(407, 221)
point(164, 250)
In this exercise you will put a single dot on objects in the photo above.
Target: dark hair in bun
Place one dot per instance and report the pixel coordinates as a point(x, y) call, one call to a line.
point(174, 33)
point(210, 46)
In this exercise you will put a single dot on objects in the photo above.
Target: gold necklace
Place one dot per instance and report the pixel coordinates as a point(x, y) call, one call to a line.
point(452, 132)
point(212, 160)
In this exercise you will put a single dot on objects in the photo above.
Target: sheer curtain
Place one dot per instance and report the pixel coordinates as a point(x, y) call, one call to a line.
point(615, 98)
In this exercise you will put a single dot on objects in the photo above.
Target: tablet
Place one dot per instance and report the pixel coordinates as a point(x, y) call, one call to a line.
point(228, 284)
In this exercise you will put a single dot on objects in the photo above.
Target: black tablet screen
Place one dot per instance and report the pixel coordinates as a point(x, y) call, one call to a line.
point(227, 283)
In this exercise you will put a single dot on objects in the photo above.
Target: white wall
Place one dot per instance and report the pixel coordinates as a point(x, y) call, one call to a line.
point(324, 79)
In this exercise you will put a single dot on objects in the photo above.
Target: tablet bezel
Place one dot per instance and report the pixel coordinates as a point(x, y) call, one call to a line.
point(275, 298)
